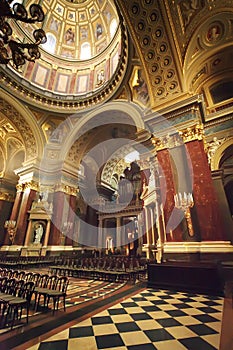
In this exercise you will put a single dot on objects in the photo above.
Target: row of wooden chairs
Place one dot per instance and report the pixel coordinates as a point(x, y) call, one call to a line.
point(15, 295)
point(51, 287)
point(45, 285)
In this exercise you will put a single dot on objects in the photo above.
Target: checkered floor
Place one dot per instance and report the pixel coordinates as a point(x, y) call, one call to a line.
point(153, 319)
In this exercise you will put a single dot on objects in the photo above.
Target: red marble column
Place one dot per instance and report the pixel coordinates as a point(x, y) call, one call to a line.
point(28, 197)
point(207, 208)
point(16, 206)
point(58, 206)
point(167, 186)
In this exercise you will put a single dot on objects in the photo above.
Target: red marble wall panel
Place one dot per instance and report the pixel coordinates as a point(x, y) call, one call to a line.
point(30, 67)
point(72, 83)
point(16, 206)
point(58, 206)
point(71, 218)
point(52, 79)
point(204, 194)
point(27, 198)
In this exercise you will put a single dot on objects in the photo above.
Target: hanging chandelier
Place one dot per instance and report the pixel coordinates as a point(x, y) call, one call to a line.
point(12, 50)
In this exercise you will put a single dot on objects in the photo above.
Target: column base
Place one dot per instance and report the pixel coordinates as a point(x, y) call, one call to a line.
point(196, 251)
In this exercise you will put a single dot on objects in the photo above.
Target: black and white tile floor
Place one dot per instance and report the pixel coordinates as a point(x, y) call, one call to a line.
point(153, 319)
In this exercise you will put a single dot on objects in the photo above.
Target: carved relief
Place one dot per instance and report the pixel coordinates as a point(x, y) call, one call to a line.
point(211, 148)
point(188, 9)
point(22, 126)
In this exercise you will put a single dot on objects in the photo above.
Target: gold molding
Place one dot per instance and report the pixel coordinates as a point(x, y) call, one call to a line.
point(72, 191)
point(6, 196)
point(191, 133)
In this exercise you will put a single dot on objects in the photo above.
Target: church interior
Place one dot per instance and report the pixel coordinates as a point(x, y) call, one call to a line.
point(116, 174)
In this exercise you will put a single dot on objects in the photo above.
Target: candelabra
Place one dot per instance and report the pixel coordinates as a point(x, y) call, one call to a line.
point(10, 225)
point(66, 227)
point(11, 49)
point(184, 201)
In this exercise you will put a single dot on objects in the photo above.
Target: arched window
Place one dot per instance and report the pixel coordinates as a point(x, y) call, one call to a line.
point(113, 27)
point(85, 51)
point(222, 91)
point(50, 44)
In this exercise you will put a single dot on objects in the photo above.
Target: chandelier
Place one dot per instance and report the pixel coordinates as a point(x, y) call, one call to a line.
point(12, 50)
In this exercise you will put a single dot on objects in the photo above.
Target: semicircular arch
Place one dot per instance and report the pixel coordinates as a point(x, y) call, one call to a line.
point(26, 124)
point(220, 152)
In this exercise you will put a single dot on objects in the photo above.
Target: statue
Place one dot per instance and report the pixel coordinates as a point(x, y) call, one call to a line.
point(38, 233)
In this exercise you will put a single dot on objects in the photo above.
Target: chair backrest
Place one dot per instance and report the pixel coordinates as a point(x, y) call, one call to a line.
point(42, 282)
point(3, 282)
point(28, 276)
point(36, 278)
point(52, 282)
point(21, 274)
point(10, 273)
point(27, 290)
point(15, 274)
point(10, 286)
point(62, 284)
point(19, 284)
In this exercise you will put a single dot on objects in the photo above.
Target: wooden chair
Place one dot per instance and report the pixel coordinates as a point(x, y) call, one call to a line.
point(18, 303)
point(50, 285)
point(59, 292)
point(41, 283)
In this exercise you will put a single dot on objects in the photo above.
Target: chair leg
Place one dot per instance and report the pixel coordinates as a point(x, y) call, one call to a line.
point(54, 305)
point(64, 302)
point(38, 301)
point(27, 311)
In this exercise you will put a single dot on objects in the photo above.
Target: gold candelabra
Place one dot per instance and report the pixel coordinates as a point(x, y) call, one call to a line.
point(10, 225)
point(184, 201)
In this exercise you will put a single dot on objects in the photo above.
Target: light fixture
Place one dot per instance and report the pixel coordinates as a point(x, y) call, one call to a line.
point(10, 225)
point(12, 50)
point(184, 201)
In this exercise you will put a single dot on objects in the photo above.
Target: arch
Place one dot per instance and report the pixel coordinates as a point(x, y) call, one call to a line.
point(200, 52)
point(219, 153)
point(26, 123)
point(79, 124)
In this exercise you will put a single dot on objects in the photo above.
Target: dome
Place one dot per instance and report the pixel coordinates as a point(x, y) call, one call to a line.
point(83, 48)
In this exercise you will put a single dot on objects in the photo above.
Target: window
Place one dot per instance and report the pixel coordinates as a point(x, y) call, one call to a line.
point(50, 44)
point(222, 91)
point(85, 51)
point(113, 27)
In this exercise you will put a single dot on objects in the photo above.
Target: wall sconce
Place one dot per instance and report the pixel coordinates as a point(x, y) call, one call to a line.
point(184, 201)
point(10, 225)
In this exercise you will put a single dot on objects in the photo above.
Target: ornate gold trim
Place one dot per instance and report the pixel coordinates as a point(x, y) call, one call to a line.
point(6, 196)
point(191, 133)
point(72, 191)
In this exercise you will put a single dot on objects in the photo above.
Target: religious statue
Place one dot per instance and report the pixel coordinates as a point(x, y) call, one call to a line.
point(38, 233)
